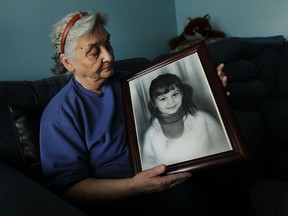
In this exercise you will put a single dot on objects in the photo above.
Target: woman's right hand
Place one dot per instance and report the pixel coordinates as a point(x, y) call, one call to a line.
point(152, 180)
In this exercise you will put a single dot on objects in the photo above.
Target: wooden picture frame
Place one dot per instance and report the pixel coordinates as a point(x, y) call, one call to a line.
point(182, 143)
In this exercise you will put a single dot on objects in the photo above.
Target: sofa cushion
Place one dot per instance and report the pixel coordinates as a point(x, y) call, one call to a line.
point(240, 70)
point(266, 61)
point(232, 49)
point(273, 41)
point(250, 70)
point(282, 72)
point(26, 123)
point(276, 120)
point(248, 95)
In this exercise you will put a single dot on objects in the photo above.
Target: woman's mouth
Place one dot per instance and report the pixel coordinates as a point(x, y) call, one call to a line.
point(106, 67)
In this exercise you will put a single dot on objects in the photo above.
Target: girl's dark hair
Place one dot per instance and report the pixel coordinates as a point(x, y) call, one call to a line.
point(165, 83)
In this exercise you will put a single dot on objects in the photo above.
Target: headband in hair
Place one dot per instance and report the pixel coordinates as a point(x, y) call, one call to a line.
point(67, 28)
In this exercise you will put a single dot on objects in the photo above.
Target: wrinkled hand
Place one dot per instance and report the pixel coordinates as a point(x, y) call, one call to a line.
point(222, 76)
point(151, 180)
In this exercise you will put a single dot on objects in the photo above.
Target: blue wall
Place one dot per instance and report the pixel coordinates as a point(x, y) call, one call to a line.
point(138, 28)
point(243, 18)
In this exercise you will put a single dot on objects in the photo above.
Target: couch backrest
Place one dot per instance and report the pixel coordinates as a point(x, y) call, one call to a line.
point(19, 92)
point(25, 94)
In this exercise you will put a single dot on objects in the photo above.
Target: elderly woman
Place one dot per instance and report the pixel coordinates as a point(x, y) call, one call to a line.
point(83, 141)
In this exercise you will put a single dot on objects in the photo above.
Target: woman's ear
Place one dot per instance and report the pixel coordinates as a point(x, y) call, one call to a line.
point(67, 64)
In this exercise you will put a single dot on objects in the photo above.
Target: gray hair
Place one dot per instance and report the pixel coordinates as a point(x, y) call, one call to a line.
point(82, 27)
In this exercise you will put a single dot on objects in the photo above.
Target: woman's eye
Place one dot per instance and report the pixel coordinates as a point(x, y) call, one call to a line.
point(94, 52)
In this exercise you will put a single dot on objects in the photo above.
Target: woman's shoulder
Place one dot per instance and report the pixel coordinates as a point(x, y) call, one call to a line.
point(58, 102)
point(58, 97)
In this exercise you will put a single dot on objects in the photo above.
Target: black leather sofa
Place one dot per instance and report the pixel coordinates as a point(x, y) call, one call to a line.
point(258, 78)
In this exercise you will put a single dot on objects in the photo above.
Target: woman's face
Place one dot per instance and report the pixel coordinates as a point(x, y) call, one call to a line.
point(170, 102)
point(94, 57)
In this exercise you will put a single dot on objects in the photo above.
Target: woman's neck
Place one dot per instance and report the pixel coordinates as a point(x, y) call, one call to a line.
point(95, 86)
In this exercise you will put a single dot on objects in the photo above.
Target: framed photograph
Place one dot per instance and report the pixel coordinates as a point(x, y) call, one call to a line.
point(177, 114)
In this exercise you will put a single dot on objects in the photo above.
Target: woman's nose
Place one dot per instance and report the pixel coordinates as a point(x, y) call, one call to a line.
point(107, 55)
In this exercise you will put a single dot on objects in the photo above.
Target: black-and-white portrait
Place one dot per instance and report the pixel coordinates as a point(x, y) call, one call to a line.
point(176, 117)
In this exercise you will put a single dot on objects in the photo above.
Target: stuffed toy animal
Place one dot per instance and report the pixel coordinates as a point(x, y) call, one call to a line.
point(196, 29)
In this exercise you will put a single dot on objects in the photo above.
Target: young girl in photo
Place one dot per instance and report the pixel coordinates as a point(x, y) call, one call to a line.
point(178, 131)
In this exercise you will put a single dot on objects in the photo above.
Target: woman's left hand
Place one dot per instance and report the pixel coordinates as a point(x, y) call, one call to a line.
point(222, 76)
